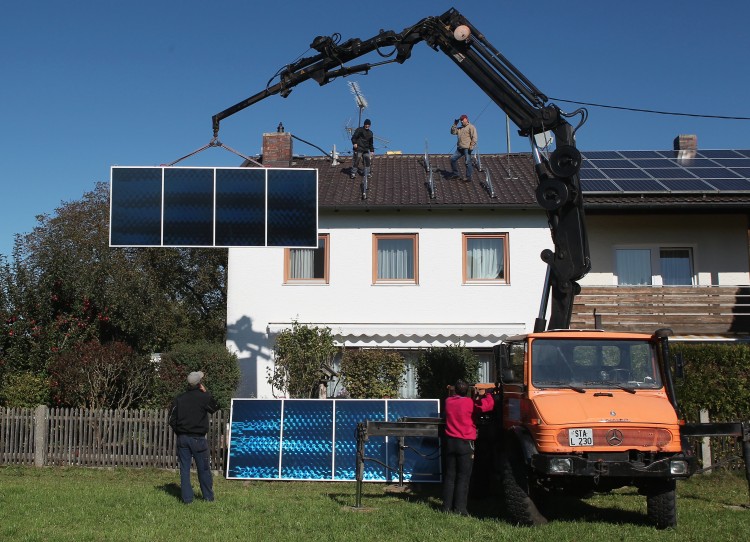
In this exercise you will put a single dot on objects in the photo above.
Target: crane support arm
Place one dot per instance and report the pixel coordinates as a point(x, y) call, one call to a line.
point(558, 189)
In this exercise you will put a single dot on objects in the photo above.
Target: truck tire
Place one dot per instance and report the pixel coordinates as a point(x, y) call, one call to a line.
point(519, 505)
point(661, 504)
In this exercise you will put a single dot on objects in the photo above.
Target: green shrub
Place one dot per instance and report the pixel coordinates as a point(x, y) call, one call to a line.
point(24, 389)
point(438, 368)
point(372, 373)
point(221, 369)
point(302, 354)
point(716, 378)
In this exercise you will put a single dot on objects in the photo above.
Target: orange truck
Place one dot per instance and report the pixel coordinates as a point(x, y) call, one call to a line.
point(588, 411)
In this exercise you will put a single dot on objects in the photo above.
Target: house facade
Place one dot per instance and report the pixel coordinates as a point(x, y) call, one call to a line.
point(417, 260)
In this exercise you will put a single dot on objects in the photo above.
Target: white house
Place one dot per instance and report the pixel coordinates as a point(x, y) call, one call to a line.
point(426, 261)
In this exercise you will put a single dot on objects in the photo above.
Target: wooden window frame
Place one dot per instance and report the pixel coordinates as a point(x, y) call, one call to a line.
point(376, 237)
point(326, 264)
point(506, 257)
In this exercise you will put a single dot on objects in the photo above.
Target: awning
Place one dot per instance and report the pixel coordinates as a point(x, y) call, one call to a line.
point(411, 335)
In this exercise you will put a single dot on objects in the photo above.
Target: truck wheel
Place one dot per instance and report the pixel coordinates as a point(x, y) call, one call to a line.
point(520, 508)
point(661, 504)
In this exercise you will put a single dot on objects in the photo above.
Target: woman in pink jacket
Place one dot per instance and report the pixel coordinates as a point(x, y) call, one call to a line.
point(460, 433)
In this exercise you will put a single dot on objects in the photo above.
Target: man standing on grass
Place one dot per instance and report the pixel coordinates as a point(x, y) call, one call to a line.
point(188, 417)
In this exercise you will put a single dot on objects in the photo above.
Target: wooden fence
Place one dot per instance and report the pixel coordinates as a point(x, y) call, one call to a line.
point(98, 438)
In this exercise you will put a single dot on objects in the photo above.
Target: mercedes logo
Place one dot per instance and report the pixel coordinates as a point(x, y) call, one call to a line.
point(614, 437)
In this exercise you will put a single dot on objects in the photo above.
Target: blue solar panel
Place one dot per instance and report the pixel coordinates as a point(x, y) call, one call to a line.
point(641, 154)
point(714, 173)
point(686, 185)
point(745, 153)
point(640, 185)
point(733, 162)
point(607, 164)
point(301, 439)
point(728, 153)
point(214, 207)
point(598, 185)
point(617, 174)
point(730, 185)
point(669, 173)
point(596, 155)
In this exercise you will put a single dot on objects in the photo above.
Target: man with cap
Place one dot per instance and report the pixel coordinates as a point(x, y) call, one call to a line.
point(467, 141)
point(188, 417)
point(362, 148)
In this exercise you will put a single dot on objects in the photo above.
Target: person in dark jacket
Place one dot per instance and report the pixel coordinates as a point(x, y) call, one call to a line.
point(362, 148)
point(461, 412)
point(188, 417)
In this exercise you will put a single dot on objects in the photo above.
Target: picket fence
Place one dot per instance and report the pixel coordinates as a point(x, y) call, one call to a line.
point(98, 438)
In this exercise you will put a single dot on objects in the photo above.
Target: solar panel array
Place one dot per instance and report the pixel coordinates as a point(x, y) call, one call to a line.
point(673, 171)
point(310, 439)
point(213, 207)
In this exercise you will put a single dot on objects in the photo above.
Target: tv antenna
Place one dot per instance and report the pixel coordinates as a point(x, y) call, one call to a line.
point(359, 98)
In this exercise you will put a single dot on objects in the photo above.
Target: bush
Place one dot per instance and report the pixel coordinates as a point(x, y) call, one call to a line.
point(220, 367)
point(715, 378)
point(302, 355)
point(24, 389)
point(372, 373)
point(95, 375)
point(438, 368)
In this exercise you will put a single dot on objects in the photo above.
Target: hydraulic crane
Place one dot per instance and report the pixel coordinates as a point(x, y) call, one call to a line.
point(558, 190)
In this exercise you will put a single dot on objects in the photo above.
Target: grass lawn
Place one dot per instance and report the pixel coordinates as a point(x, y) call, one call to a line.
point(74, 504)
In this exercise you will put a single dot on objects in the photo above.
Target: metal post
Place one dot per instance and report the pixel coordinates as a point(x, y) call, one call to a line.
point(361, 435)
point(746, 450)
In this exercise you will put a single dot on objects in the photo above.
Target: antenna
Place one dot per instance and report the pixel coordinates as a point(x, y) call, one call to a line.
point(359, 98)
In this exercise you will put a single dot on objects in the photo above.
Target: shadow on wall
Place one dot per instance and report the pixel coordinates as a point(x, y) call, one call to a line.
point(249, 344)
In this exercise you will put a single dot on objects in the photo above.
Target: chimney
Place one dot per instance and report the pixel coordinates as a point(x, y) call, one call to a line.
point(277, 149)
point(686, 146)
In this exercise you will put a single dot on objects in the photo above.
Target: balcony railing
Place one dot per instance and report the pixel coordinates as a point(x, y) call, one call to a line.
point(699, 310)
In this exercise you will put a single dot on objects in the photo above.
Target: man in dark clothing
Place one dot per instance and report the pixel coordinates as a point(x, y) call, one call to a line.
point(188, 417)
point(461, 412)
point(362, 148)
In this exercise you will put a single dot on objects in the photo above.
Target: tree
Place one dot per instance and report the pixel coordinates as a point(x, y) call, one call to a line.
point(66, 286)
point(220, 367)
point(95, 375)
point(437, 368)
point(302, 357)
point(372, 373)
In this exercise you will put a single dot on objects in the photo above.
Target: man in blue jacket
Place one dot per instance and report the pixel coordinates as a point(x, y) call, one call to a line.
point(188, 417)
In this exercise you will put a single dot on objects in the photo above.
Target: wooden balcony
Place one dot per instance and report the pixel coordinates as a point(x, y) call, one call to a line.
point(700, 310)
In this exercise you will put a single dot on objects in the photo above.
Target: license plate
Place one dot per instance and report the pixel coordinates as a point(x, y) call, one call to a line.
point(581, 437)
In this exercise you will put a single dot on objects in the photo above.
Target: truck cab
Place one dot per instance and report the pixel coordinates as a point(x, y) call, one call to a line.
point(587, 410)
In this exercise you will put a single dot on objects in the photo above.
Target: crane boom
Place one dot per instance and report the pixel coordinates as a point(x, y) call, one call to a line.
point(558, 190)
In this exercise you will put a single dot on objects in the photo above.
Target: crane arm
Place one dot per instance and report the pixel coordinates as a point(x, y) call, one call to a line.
point(558, 189)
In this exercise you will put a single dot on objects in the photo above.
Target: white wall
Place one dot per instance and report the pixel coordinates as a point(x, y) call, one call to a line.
point(258, 299)
point(719, 243)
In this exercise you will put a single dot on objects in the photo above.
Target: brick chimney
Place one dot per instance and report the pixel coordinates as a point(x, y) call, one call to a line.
point(277, 149)
point(686, 146)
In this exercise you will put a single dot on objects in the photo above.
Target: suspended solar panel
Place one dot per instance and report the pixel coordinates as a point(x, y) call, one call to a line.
point(213, 207)
point(666, 171)
point(316, 439)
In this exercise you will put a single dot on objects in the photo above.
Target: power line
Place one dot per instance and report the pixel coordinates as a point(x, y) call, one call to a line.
point(650, 110)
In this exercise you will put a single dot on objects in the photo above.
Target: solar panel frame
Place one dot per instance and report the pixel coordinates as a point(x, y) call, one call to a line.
point(213, 207)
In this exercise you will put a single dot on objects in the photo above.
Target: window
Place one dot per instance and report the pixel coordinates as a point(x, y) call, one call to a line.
point(668, 266)
point(395, 258)
point(307, 264)
point(485, 257)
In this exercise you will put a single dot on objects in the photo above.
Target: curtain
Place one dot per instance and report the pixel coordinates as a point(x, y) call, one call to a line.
point(302, 263)
point(675, 267)
point(484, 258)
point(395, 259)
point(633, 266)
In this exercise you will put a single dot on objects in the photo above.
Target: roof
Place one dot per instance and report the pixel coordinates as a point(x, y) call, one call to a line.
point(401, 181)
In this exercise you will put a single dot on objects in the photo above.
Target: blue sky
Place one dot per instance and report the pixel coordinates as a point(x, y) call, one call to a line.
point(87, 84)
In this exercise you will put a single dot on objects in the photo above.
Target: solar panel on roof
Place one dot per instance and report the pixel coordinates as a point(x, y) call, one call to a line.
point(733, 162)
point(669, 173)
point(686, 185)
point(641, 154)
point(640, 185)
point(621, 163)
point(728, 153)
point(714, 173)
point(744, 152)
point(730, 185)
point(600, 155)
point(213, 207)
point(620, 173)
point(598, 185)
